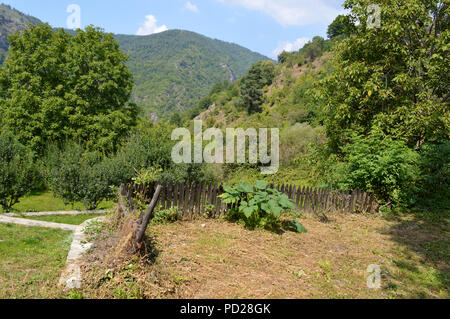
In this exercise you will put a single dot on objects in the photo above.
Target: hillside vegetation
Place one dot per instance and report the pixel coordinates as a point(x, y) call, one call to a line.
point(11, 21)
point(272, 95)
point(365, 109)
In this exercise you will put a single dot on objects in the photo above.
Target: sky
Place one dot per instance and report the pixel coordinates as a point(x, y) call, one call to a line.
point(264, 26)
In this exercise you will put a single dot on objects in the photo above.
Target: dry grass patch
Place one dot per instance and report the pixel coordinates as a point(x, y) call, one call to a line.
point(218, 259)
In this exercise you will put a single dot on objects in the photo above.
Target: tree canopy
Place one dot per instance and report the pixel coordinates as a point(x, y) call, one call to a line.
point(395, 77)
point(342, 26)
point(56, 87)
point(251, 94)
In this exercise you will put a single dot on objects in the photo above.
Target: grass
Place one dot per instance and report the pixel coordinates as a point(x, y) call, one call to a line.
point(32, 258)
point(64, 219)
point(45, 201)
point(218, 259)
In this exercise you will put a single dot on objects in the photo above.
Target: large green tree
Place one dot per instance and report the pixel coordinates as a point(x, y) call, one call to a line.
point(394, 77)
point(251, 86)
point(342, 26)
point(56, 87)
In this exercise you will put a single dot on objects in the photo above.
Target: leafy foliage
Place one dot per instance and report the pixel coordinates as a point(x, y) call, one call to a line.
point(379, 165)
point(433, 182)
point(56, 87)
point(12, 21)
point(256, 205)
point(79, 176)
point(165, 216)
point(394, 77)
point(251, 95)
point(341, 27)
point(18, 174)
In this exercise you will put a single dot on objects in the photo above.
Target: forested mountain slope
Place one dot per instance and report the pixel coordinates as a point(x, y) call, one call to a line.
point(173, 69)
point(11, 21)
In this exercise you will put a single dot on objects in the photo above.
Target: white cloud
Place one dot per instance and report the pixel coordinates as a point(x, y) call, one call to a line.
point(292, 12)
point(191, 7)
point(150, 26)
point(290, 46)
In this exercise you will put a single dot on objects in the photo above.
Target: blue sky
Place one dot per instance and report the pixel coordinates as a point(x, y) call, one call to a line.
point(264, 26)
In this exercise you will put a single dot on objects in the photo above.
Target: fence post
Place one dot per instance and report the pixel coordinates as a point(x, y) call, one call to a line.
point(148, 215)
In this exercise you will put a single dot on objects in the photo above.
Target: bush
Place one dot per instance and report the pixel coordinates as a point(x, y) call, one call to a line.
point(166, 216)
point(434, 179)
point(151, 148)
point(379, 165)
point(295, 140)
point(256, 205)
point(75, 175)
point(18, 173)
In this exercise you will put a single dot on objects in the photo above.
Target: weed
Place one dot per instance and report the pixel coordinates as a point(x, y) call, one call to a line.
point(326, 266)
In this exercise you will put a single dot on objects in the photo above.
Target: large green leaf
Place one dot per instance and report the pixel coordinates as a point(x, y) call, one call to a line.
point(261, 185)
point(248, 211)
point(298, 227)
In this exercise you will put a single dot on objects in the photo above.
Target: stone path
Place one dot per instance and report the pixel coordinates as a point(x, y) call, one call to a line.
point(35, 223)
point(69, 213)
point(71, 275)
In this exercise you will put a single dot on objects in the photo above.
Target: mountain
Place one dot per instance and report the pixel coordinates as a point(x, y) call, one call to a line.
point(286, 98)
point(11, 21)
point(173, 69)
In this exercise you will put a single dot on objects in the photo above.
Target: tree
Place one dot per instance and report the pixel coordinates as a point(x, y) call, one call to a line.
point(260, 75)
point(314, 49)
point(56, 87)
point(394, 77)
point(176, 119)
point(283, 57)
point(342, 26)
point(18, 173)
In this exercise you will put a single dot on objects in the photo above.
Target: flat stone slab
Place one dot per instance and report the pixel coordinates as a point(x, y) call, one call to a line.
point(35, 223)
point(69, 213)
point(71, 275)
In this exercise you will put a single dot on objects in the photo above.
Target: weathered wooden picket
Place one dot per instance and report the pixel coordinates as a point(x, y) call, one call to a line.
point(198, 199)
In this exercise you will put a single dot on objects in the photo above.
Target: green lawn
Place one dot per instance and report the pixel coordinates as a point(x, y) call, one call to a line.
point(31, 260)
point(64, 219)
point(45, 201)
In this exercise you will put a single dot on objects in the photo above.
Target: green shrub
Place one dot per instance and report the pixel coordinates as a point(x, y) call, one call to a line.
point(166, 216)
point(434, 179)
point(256, 205)
point(295, 140)
point(379, 165)
point(75, 175)
point(151, 148)
point(18, 173)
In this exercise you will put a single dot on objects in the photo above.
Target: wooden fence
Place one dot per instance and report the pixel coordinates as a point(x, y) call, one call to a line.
point(199, 199)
